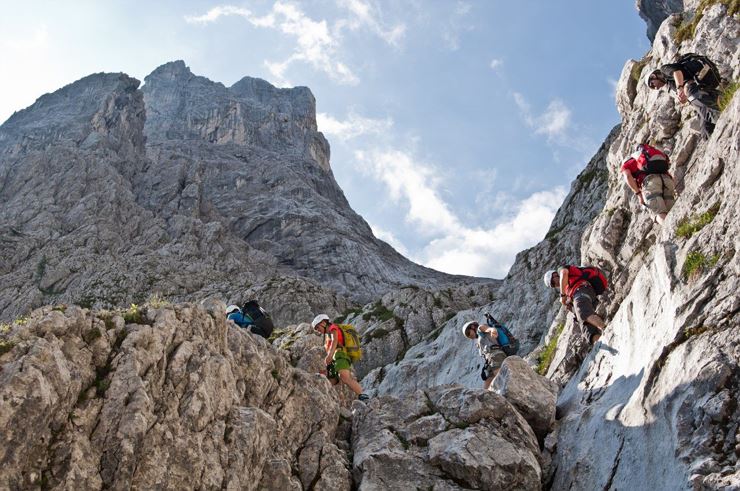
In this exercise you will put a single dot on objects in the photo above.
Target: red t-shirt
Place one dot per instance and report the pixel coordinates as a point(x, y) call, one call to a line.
point(631, 166)
point(340, 336)
point(575, 280)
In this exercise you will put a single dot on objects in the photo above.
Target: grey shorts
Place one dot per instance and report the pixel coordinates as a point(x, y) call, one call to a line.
point(659, 193)
point(494, 359)
point(584, 305)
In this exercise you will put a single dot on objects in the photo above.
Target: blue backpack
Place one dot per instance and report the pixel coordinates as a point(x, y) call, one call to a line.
point(509, 344)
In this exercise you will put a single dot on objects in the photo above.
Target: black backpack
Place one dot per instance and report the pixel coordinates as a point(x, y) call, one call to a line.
point(701, 69)
point(262, 322)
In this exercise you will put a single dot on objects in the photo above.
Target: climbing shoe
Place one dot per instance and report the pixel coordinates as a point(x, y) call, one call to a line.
point(363, 397)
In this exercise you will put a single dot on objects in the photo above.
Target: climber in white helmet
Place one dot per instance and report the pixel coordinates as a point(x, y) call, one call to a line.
point(486, 338)
point(338, 362)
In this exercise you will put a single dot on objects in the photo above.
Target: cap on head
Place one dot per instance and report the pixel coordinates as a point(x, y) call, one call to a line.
point(232, 308)
point(548, 278)
point(317, 320)
point(466, 326)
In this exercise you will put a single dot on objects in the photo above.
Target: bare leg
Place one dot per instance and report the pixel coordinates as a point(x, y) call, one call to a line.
point(595, 320)
point(350, 382)
point(489, 380)
point(661, 218)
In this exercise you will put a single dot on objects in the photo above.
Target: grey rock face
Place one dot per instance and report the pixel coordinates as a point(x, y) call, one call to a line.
point(187, 189)
point(175, 399)
point(654, 12)
point(447, 437)
point(531, 394)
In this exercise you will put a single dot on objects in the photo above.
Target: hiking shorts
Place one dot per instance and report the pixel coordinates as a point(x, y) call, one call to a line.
point(342, 361)
point(659, 193)
point(584, 302)
point(494, 359)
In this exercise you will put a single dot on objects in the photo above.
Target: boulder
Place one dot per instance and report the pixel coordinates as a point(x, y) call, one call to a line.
point(533, 395)
point(447, 437)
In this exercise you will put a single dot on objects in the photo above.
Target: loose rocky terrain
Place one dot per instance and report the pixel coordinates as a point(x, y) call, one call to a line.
point(170, 396)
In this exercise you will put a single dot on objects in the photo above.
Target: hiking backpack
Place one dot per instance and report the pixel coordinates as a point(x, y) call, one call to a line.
point(702, 70)
point(351, 342)
point(509, 344)
point(651, 160)
point(260, 317)
point(594, 276)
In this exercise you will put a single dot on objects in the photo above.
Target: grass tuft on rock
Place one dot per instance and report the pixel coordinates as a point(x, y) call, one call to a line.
point(690, 225)
point(696, 262)
point(545, 358)
point(727, 92)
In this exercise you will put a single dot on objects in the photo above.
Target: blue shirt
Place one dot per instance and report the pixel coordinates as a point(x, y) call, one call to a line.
point(240, 319)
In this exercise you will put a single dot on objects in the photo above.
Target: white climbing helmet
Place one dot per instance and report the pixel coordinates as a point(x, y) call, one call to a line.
point(466, 326)
point(232, 308)
point(548, 278)
point(318, 319)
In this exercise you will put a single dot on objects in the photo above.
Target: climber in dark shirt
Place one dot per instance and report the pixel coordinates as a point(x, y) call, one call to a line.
point(694, 79)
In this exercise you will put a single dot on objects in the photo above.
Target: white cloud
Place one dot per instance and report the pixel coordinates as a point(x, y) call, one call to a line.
point(553, 122)
point(352, 127)
point(315, 44)
point(456, 24)
point(455, 247)
point(368, 16)
point(496, 63)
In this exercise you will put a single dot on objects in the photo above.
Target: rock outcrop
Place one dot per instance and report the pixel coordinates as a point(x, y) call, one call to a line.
point(161, 398)
point(447, 438)
point(183, 188)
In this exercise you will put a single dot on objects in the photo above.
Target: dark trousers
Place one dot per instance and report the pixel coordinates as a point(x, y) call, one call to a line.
point(705, 102)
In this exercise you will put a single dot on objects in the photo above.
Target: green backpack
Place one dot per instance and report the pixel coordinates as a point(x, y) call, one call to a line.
point(351, 342)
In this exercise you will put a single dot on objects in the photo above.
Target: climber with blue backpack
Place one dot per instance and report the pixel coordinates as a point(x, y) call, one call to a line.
point(342, 346)
point(579, 287)
point(646, 174)
point(495, 342)
point(695, 79)
point(251, 317)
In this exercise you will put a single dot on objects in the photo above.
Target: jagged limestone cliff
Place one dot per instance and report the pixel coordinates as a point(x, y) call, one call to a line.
point(171, 397)
point(185, 187)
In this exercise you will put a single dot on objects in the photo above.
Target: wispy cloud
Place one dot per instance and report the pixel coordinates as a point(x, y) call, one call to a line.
point(553, 122)
point(456, 25)
point(496, 63)
point(352, 127)
point(317, 42)
point(453, 246)
point(367, 15)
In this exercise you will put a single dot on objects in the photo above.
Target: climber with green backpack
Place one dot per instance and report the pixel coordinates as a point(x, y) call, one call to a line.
point(342, 345)
point(495, 342)
point(695, 79)
point(579, 287)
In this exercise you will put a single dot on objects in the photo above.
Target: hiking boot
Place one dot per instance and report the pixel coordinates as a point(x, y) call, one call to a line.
point(363, 397)
point(599, 334)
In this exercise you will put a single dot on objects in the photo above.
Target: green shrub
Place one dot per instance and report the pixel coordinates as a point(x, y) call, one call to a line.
point(545, 358)
point(726, 93)
point(133, 315)
point(379, 312)
point(91, 335)
point(696, 262)
point(6, 345)
point(157, 301)
point(690, 225)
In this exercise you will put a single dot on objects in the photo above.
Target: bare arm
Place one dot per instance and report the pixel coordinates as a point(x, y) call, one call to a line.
point(631, 182)
point(563, 285)
point(331, 348)
point(492, 331)
point(680, 85)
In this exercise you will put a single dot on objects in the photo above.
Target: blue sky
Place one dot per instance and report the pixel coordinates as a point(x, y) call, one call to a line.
point(455, 126)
